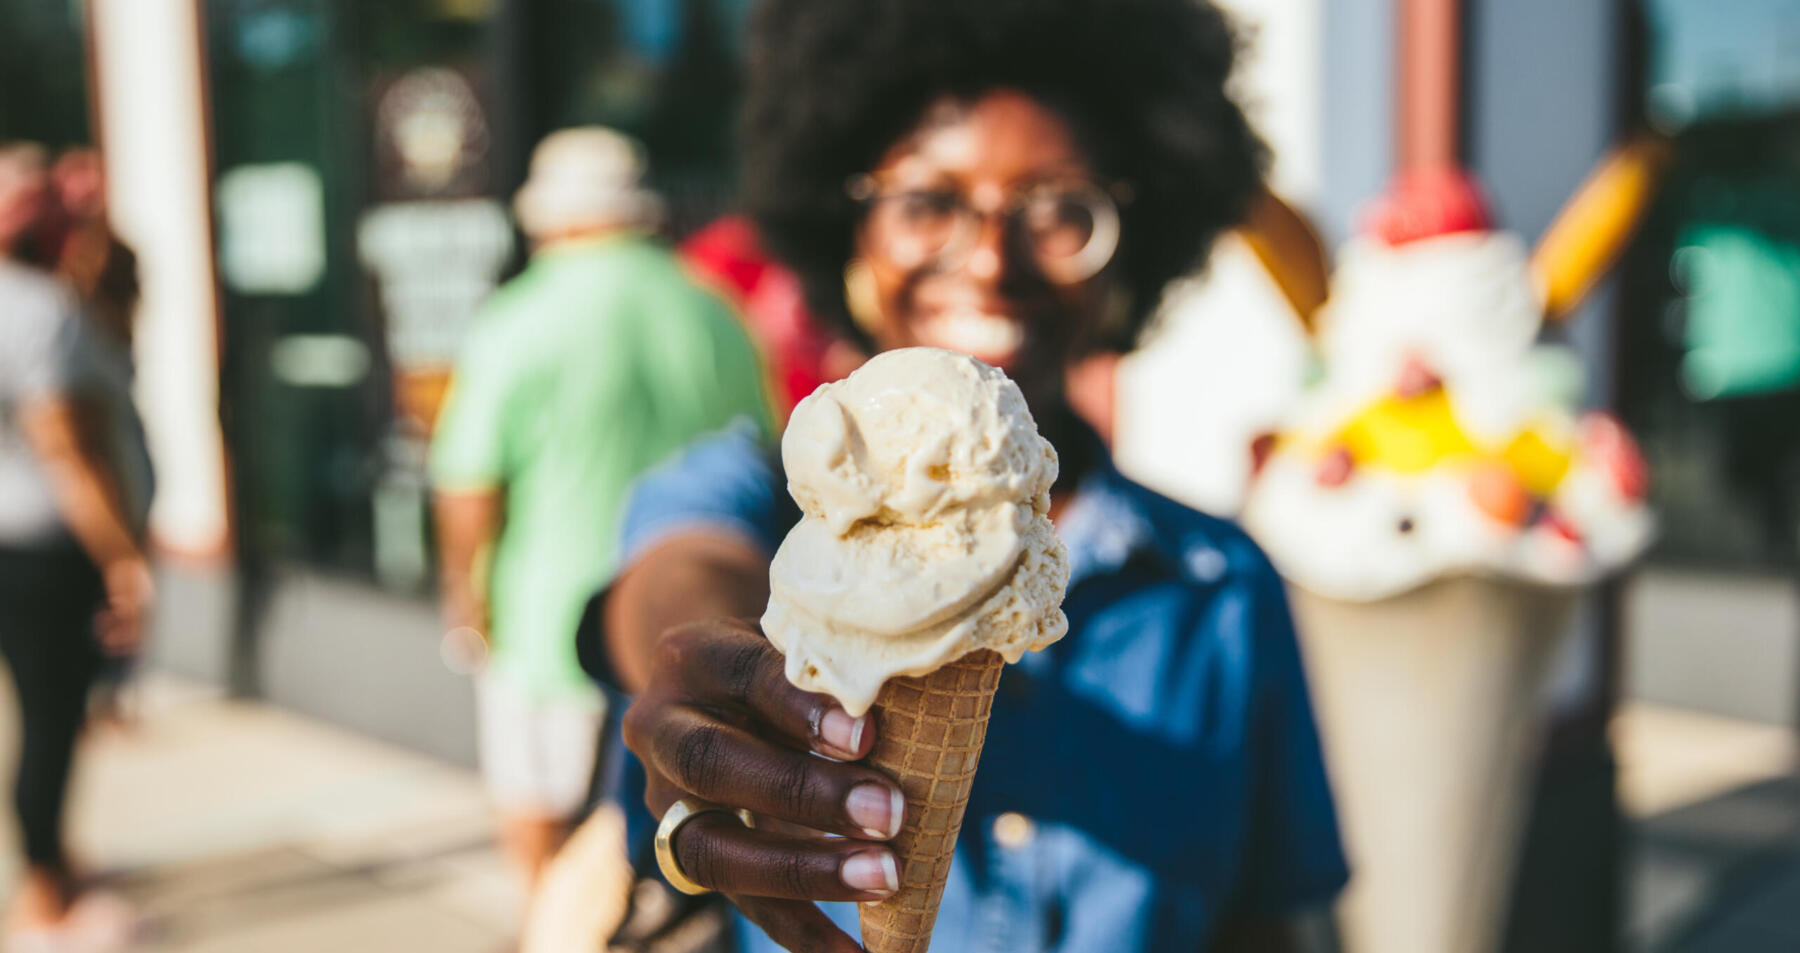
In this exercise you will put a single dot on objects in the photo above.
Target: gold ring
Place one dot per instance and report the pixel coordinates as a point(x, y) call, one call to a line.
point(678, 814)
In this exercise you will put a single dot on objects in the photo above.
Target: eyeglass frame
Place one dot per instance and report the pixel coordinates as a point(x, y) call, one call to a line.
point(865, 190)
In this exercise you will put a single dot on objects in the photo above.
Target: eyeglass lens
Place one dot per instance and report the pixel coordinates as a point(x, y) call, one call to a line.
point(1058, 227)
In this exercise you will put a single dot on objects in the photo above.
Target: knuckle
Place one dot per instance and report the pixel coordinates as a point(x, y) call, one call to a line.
point(744, 666)
point(635, 728)
point(701, 857)
point(792, 875)
point(791, 784)
point(697, 761)
point(675, 645)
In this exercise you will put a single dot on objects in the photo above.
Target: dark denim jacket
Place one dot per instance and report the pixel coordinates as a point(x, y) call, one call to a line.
point(1151, 776)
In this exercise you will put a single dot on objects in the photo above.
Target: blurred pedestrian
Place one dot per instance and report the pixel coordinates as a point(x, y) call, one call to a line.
point(75, 584)
point(600, 359)
point(102, 270)
point(88, 254)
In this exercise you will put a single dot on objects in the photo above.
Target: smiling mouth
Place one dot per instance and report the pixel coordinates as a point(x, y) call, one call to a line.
point(986, 337)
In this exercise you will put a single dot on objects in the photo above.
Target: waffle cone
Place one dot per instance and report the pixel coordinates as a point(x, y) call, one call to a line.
point(929, 731)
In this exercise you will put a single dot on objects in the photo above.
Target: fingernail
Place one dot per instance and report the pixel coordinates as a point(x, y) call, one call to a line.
point(872, 870)
point(876, 808)
point(841, 731)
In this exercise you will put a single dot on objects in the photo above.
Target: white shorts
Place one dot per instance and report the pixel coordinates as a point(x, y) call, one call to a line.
point(536, 756)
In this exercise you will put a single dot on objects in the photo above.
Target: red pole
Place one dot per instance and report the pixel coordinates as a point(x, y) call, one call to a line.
point(1430, 84)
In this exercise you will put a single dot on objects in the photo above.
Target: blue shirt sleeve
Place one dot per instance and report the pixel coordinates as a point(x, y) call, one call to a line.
point(1295, 858)
point(726, 482)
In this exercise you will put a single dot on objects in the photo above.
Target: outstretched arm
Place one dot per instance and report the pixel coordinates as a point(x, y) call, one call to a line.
point(687, 578)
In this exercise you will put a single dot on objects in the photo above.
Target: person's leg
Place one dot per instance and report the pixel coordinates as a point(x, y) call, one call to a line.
point(564, 742)
point(530, 839)
point(531, 825)
point(46, 614)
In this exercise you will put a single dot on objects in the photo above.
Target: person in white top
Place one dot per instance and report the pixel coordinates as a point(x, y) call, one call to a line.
point(75, 584)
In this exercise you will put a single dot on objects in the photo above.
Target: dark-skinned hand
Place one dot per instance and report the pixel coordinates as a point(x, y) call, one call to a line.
point(719, 721)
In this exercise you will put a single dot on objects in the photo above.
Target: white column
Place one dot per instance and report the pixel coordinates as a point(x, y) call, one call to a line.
point(153, 126)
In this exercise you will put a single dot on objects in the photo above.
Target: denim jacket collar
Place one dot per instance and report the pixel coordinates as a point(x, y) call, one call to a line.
point(1112, 520)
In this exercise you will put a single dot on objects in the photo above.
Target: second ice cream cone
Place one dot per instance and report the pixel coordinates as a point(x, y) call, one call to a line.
point(1431, 709)
point(929, 732)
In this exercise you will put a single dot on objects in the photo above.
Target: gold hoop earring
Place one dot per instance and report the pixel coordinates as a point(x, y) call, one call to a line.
point(861, 298)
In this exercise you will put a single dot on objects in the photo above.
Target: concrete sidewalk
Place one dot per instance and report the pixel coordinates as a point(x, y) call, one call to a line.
point(240, 827)
point(1713, 806)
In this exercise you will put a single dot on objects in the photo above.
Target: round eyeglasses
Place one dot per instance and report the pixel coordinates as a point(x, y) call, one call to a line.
point(1069, 231)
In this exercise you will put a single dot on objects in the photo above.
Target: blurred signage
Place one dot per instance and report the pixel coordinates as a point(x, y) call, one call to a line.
point(271, 229)
point(435, 240)
point(431, 135)
point(435, 262)
point(1743, 321)
point(273, 36)
point(319, 360)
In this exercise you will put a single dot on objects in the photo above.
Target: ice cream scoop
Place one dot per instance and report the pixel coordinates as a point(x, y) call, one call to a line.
point(925, 536)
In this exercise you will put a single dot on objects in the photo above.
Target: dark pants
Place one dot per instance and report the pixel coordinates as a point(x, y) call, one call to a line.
point(48, 598)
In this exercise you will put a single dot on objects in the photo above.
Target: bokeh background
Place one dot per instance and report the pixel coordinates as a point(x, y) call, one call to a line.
point(318, 193)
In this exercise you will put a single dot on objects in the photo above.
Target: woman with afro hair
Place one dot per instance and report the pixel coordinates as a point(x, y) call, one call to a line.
point(1017, 180)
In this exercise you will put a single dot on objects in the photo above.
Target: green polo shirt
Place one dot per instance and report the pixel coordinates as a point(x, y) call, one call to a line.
point(598, 361)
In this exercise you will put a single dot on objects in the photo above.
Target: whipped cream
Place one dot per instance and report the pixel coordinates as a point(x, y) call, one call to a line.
point(1442, 438)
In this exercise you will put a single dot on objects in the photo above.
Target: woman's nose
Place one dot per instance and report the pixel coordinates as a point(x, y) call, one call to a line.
point(987, 259)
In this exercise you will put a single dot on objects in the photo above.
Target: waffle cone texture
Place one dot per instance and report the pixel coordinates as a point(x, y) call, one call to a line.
point(929, 734)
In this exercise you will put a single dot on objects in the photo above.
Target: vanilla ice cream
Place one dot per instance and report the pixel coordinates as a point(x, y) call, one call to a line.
point(926, 535)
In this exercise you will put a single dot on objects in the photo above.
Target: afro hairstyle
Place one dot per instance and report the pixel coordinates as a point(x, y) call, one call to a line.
point(834, 84)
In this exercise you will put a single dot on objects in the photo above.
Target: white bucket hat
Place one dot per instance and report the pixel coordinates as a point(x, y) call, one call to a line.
point(585, 177)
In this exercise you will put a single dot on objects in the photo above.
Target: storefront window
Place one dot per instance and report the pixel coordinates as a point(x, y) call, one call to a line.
point(43, 88)
point(400, 129)
point(1711, 347)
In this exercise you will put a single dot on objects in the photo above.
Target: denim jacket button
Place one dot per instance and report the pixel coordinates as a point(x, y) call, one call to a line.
point(1013, 830)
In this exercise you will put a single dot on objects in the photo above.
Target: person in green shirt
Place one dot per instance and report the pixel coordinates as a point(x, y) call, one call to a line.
point(599, 360)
